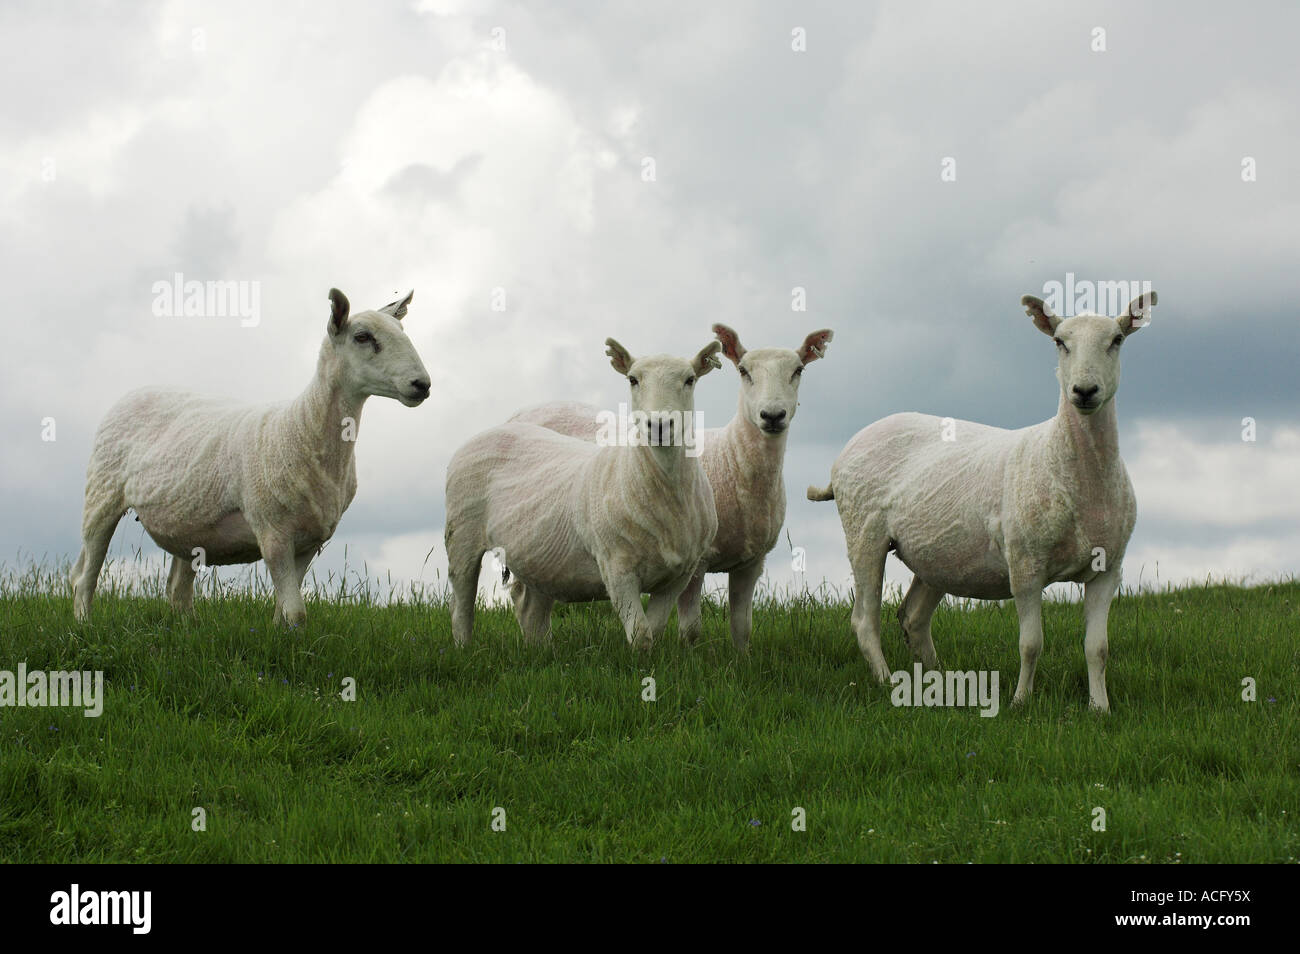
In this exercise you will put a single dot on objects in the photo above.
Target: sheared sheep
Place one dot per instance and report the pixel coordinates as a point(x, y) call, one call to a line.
point(989, 513)
point(744, 463)
point(576, 521)
point(216, 483)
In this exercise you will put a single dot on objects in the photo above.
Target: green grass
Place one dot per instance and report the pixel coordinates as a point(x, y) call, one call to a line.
point(220, 711)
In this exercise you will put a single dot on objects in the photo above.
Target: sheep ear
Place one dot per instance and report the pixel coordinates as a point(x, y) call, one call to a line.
point(707, 359)
point(398, 308)
point(619, 357)
point(1044, 320)
point(339, 310)
point(731, 346)
point(814, 346)
point(1138, 314)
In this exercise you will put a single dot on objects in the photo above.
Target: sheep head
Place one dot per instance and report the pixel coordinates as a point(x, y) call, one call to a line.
point(1088, 348)
point(662, 389)
point(769, 377)
point(372, 353)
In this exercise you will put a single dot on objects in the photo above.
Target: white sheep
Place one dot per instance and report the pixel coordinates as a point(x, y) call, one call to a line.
point(744, 463)
point(575, 521)
point(989, 513)
point(216, 483)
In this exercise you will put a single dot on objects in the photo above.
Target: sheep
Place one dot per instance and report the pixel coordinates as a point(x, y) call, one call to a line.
point(989, 513)
point(215, 483)
point(576, 521)
point(743, 462)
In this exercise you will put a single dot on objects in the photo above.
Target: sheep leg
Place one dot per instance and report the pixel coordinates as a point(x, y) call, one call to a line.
point(1029, 608)
point(463, 568)
point(301, 563)
point(914, 615)
point(533, 611)
point(661, 607)
point(1097, 596)
point(97, 526)
point(741, 582)
point(688, 610)
point(517, 593)
point(283, 564)
point(867, 557)
point(625, 593)
point(180, 584)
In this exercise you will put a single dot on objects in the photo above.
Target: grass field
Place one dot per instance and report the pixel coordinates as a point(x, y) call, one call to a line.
point(219, 711)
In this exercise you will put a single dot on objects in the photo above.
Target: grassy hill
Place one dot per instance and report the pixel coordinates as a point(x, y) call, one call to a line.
point(220, 712)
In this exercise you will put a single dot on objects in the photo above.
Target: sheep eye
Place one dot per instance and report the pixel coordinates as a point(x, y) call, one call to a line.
point(690, 381)
point(1119, 340)
point(362, 337)
point(744, 373)
point(1061, 344)
point(631, 380)
point(797, 373)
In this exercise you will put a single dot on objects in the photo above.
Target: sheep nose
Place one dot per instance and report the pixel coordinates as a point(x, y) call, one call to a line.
point(1087, 394)
point(421, 386)
point(772, 417)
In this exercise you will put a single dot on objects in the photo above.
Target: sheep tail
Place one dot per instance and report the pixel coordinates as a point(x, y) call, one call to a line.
point(827, 494)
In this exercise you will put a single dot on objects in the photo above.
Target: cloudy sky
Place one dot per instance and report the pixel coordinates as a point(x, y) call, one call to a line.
point(468, 148)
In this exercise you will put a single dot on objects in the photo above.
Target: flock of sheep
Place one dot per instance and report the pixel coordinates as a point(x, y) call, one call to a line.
point(972, 510)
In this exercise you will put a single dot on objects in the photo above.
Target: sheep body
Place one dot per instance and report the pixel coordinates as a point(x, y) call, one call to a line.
point(959, 512)
point(548, 501)
point(187, 465)
point(746, 483)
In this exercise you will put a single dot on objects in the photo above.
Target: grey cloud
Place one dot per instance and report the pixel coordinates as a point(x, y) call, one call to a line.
point(776, 169)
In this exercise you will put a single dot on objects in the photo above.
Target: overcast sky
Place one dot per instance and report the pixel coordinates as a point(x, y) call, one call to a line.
point(462, 147)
